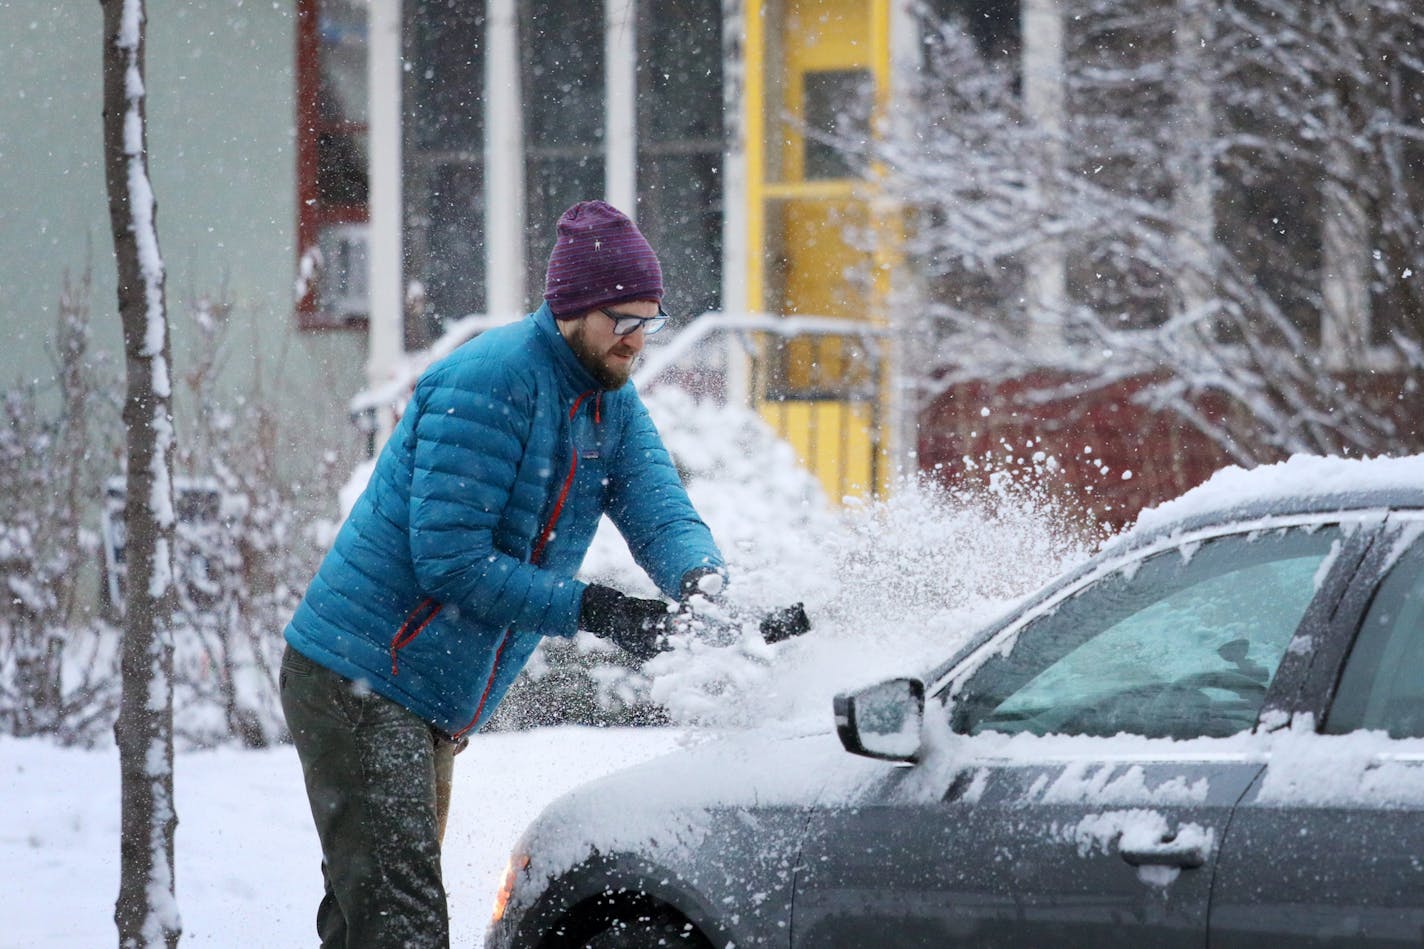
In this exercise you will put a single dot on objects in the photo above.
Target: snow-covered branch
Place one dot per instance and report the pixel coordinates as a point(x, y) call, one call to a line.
point(1239, 216)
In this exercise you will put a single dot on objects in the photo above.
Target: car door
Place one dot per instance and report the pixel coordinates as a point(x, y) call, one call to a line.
point(1076, 796)
point(1328, 845)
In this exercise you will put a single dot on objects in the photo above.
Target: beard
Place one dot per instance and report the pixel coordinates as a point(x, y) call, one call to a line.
point(611, 375)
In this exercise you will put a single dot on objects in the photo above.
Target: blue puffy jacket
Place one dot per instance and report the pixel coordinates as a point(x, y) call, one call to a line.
point(461, 553)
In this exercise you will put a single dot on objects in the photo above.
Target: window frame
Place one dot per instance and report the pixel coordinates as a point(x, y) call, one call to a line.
point(1318, 689)
point(1358, 529)
point(664, 220)
point(542, 157)
point(312, 214)
point(438, 205)
point(1406, 565)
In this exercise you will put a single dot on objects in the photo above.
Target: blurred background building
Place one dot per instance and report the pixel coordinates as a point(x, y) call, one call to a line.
point(367, 182)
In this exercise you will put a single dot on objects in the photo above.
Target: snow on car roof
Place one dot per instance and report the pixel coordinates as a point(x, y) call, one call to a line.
point(1300, 482)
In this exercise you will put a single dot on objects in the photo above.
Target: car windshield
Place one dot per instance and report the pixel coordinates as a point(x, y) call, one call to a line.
point(1181, 644)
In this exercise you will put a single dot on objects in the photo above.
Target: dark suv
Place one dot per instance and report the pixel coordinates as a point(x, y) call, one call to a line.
point(1210, 733)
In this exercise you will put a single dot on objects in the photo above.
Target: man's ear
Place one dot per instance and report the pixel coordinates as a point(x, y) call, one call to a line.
point(566, 325)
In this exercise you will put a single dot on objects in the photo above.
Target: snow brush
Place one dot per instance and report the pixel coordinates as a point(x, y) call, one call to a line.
point(783, 624)
point(718, 625)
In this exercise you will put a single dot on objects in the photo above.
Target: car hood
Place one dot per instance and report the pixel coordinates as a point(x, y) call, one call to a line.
point(675, 802)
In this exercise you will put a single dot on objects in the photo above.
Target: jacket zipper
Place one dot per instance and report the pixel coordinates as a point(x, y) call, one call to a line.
point(406, 634)
point(537, 556)
point(548, 530)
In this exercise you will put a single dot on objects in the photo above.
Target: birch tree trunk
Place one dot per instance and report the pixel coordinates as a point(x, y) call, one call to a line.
point(146, 912)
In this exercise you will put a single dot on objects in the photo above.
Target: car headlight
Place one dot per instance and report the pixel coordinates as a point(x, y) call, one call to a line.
point(518, 863)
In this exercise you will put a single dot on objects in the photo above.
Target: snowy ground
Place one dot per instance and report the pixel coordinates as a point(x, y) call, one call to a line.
point(248, 860)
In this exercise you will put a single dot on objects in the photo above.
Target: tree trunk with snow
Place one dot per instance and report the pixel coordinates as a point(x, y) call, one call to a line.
point(146, 912)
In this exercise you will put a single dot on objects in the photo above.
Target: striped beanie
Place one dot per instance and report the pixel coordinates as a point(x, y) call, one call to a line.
point(600, 258)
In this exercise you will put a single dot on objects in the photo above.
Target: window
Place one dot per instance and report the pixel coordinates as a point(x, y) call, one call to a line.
point(202, 535)
point(1270, 216)
point(680, 141)
point(680, 145)
point(838, 105)
point(1181, 645)
point(562, 43)
point(333, 190)
point(1382, 687)
point(1397, 303)
point(993, 24)
point(443, 125)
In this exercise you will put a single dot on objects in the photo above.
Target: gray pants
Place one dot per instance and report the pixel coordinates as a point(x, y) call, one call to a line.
point(378, 779)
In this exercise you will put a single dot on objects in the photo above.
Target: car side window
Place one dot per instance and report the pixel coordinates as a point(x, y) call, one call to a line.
point(1182, 644)
point(1382, 686)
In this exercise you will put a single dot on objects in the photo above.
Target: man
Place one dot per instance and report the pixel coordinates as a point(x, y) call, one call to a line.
point(460, 556)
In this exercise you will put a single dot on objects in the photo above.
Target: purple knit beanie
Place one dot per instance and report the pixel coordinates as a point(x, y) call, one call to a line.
point(599, 259)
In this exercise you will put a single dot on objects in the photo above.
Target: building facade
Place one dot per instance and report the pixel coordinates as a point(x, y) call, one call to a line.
point(221, 107)
point(473, 126)
point(360, 177)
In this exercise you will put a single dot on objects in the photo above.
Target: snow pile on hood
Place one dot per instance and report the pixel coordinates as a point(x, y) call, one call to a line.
point(1233, 487)
point(891, 587)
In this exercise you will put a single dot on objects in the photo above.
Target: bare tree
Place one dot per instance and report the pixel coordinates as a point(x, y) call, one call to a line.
point(146, 912)
point(1237, 199)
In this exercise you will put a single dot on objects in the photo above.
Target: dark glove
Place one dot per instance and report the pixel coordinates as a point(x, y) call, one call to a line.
point(634, 624)
point(785, 623)
point(692, 582)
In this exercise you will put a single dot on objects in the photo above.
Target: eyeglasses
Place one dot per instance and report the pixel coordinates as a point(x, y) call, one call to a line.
point(625, 324)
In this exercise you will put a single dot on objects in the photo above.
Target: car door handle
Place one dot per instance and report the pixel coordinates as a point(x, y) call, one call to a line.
point(1171, 853)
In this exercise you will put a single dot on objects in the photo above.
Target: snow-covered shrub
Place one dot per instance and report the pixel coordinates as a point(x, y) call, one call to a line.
point(244, 561)
point(58, 658)
point(1192, 149)
point(247, 540)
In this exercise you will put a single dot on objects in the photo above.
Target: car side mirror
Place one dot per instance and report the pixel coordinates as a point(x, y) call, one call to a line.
point(882, 720)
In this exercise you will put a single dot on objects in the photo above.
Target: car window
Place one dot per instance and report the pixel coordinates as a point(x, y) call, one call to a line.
point(1382, 686)
point(1181, 644)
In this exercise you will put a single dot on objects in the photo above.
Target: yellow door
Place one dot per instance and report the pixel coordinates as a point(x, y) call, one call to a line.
point(818, 69)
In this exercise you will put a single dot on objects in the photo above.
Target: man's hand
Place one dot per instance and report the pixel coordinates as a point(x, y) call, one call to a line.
point(703, 581)
point(637, 625)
